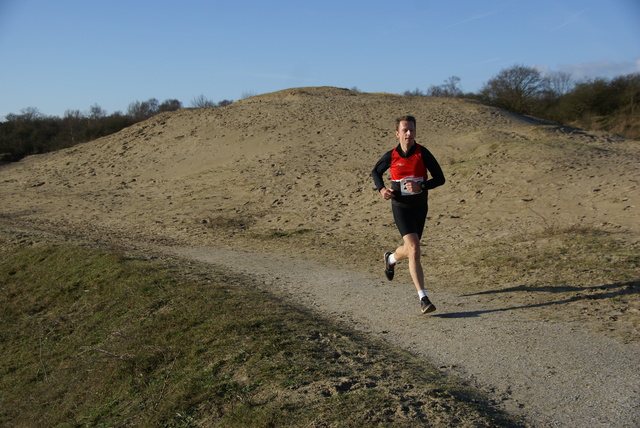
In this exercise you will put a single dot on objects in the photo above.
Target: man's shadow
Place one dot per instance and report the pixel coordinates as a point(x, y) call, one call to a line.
point(606, 291)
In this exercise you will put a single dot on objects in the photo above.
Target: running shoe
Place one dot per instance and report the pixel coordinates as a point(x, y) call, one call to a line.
point(388, 267)
point(426, 305)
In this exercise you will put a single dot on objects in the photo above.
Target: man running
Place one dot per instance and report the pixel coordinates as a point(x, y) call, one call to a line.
point(410, 165)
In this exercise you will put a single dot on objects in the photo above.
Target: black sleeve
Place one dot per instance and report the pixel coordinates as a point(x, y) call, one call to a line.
point(437, 176)
point(381, 167)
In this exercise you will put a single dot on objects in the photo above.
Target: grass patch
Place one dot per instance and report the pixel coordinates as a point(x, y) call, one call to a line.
point(230, 223)
point(94, 338)
point(280, 234)
point(568, 255)
point(576, 274)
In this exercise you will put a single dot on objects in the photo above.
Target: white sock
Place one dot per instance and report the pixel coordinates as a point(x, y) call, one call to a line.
point(422, 293)
point(392, 259)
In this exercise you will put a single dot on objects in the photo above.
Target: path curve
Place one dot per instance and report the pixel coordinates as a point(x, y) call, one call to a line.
point(555, 374)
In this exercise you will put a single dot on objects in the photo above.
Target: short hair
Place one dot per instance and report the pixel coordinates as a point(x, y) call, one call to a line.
point(406, 118)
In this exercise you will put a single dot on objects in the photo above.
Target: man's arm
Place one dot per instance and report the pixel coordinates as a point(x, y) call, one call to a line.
point(381, 167)
point(437, 176)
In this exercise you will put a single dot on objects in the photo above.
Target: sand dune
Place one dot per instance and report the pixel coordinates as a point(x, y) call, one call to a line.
point(289, 173)
point(301, 158)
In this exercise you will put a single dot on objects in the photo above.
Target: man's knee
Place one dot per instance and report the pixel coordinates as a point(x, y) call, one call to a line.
point(414, 252)
point(412, 246)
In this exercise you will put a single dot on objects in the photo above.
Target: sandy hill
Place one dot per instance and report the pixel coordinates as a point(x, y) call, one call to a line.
point(299, 160)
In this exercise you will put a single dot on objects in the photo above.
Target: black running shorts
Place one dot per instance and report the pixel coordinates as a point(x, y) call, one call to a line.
point(410, 218)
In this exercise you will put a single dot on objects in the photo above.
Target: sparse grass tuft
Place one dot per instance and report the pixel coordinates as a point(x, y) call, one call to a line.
point(275, 234)
point(231, 223)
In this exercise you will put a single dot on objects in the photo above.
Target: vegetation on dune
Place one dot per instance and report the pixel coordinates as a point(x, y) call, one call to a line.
point(596, 105)
point(92, 337)
point(591, 273)
point(32, 132)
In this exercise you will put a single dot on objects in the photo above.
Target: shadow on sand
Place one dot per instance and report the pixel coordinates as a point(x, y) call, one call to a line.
point(605, 292)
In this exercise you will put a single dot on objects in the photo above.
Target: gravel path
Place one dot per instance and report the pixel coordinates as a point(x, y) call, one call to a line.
point(553, 373)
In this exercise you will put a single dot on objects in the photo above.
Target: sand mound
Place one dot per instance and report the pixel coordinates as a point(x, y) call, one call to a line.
point(301, 158)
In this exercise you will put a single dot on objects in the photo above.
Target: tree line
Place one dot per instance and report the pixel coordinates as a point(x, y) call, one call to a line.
point(31, 132)
point(596, 104)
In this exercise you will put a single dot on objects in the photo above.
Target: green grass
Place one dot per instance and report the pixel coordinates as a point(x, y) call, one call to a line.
point(94, 338)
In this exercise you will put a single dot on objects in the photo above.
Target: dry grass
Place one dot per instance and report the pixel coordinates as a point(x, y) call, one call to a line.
point(575, 274)
point(92, 337)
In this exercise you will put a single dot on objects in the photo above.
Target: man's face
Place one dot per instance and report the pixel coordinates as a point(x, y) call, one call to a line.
point(406, 132)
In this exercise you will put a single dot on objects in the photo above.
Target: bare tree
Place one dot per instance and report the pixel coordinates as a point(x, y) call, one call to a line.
point(170, 105)
point(560, 83)
point(72, 124)
point(96, 112)
point(515, 88)
point(143, 110)
point(448, 89)
point(249, 94)
point(26, 114)
point(417, 92)
point(202, 101)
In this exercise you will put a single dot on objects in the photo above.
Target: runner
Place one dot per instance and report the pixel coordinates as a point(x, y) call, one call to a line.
point(410, 165)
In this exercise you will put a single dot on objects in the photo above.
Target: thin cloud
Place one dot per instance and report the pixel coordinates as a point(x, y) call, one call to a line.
point(473, 18)
point(590, 70)
point(571, 19)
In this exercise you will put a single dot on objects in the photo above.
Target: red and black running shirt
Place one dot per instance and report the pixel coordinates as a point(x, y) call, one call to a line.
point(417, 164)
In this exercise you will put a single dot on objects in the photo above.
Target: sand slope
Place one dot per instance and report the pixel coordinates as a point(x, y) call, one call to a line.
point(302, 158)
point(289, 173)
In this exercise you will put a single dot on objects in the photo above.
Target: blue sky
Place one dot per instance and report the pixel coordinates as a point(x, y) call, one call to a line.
point(72, 54)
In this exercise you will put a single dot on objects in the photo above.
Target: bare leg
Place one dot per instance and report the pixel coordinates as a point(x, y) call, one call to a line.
point(411, 250)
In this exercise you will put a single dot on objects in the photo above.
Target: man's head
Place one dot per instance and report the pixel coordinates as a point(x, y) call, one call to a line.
point(405, 119)
point(406, 130)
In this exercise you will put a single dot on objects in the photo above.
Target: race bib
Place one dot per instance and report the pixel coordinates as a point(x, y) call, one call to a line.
point(403, 185)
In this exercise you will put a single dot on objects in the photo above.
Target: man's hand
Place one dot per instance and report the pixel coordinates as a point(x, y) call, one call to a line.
point(413, 186)
point(386, 193)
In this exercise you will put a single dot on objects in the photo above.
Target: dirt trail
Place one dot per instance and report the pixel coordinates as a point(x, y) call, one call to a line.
point(553, 373)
